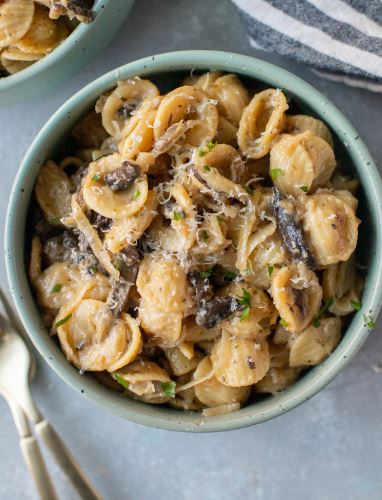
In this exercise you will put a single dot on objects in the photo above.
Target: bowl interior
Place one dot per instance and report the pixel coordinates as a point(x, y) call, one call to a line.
point(167, 71)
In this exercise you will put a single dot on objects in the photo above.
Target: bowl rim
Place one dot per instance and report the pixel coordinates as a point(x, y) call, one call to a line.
point(53, 57)
point(319, 376)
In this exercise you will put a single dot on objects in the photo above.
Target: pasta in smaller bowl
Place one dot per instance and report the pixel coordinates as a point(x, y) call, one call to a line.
point(191, 242)
point(43, 41)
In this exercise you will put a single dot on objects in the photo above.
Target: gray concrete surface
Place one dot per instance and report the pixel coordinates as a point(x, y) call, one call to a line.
point(328, 449)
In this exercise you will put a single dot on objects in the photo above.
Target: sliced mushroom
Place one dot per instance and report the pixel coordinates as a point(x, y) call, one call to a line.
point(215, 310)
point(122, 177)
point(290, 231)
point(202, 287)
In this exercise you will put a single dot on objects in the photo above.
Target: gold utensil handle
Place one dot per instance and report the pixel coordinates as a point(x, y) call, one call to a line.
point(66, 461)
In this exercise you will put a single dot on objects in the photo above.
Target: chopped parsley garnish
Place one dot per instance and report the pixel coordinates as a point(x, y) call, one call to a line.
point(328, 303)
point(63, 320)
point(205, 235)
point(247, 271)
point(249, 190)
point(369, 322)
point(270, 270)
point(96, 177)
point(304, 188)
point(207, 168)
point(178, 215)
point(55, 219)
point(276, 172)
point(220, 218)
point(205, 274)
point(355, 305)
point(136, 195)
point(210, 147)
point(245, 301)
point(121, 381)
point(230, 275)
point(93, 269)
point(57, 288)
point(169, 388)
point(283, 323)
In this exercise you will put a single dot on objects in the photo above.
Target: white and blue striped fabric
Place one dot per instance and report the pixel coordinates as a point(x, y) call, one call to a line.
point(340, 39)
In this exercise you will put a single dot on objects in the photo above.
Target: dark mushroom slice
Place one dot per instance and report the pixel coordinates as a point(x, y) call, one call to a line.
point(127, 262)
point(81, 9)
point(99, 222)
point(202, 287)
point(290, 230)
point(122, 177)
point(220, 276)
point(215, 310)
point(145, 245)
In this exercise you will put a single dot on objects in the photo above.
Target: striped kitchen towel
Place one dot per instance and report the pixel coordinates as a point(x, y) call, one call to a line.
point(340, 39)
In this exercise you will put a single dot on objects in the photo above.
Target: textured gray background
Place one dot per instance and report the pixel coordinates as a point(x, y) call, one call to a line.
point(330, 448)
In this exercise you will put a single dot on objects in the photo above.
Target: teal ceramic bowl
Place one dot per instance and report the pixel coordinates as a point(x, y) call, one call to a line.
point(83, 43)
point(167, 70)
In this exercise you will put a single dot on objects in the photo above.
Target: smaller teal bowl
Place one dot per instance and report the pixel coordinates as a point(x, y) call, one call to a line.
point(167, 70)
point(71, 55)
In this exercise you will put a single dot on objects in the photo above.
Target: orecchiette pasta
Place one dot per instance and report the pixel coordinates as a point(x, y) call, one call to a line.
point(31, 29)
point(196, 248)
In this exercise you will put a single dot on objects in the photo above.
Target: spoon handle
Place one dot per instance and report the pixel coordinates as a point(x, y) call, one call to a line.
point(66, 461)
point(32, 454)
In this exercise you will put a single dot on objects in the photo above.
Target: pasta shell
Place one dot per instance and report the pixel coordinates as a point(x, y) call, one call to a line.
point(102, 199)
point(295, 124)
point(232, 97)
point(213, 393)
point(277, 380)
point(180, 365)
point(43, 35)
point(144, 380)
point(261, 122)
point(296, 294)
point(15, 20)
point(303, 163)
point(313, 345)
point(239, 362)
point(53, 192)
point(330, 226)
point(187, 103)
point(119, 108)
point(91, 339)
point(164, 326)
point(341, 283)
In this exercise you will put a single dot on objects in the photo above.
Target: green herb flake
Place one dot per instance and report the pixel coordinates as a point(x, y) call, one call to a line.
point(54, 220)
point(63, 320)
point(96, 177)
point(230, 275)
point(245, 301)
point(283, 323)
point(211, 145)
point(276, 172)
point(57, 288)
point(205, 274)
point(136, 195)
point(93, 269)
point(305, 189)
point(178, 215)
point(124, 383)
point(249, 190)
point(169, 388)
point(207, 168)
point(247, 271)
point(205, 235)
point(328, 303)
point(270, 270)
point(356, 305)
point(369, 322)
point(220, 218)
